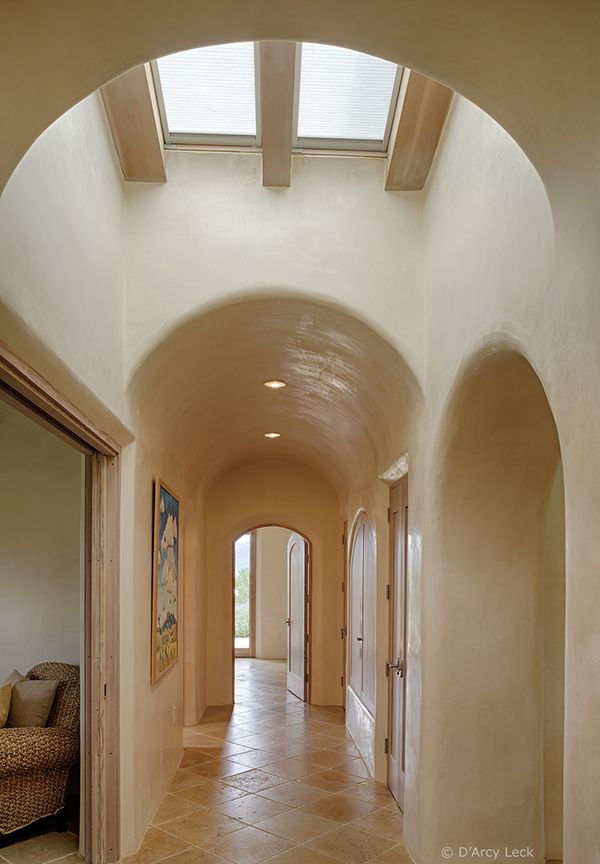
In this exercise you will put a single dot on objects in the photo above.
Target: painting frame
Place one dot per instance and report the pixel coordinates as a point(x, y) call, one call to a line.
point(165, 581)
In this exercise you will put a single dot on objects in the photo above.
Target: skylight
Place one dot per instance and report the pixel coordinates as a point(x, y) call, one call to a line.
point(209, 94)
point(346, 99)
point(343, 99)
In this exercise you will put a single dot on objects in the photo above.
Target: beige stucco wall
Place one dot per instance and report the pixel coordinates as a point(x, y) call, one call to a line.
point(62, 263)
point(553, 647)
point(271, 593)
point(271, 491)
point(216, 233)
point(41, 508)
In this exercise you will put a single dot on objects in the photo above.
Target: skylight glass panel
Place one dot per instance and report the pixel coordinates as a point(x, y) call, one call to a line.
point(344, 95)
point(210, 91)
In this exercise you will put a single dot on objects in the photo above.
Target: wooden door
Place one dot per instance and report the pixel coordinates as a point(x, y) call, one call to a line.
point(296, 620)
point(396, 666)
point(356, 608)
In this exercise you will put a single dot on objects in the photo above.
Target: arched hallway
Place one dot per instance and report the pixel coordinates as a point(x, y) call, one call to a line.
point(441, 339)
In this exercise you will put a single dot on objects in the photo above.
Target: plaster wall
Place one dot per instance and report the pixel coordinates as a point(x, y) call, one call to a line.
point(213, 232)
point(271, 593)
point(62, 262)
point(553, 648)
point(489, 245)
point(267, 491)
point(151, 716)
point(41, 562)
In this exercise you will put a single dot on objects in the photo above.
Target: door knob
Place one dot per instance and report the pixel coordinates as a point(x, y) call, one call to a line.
point(288, 621)
point(397, 667)
point(359, 638)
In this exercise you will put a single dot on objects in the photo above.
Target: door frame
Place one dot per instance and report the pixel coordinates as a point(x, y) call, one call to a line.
point(391, 628)
point(307, 603)
point(30, 394)
point(251, 651)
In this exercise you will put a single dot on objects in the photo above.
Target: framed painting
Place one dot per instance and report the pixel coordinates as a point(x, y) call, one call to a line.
point(165, 581)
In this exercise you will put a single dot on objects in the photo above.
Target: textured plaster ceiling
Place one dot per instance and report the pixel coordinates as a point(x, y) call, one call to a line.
point(347, 407)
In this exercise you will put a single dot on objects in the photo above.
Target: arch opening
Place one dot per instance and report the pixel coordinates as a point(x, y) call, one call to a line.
point(351, 397)
point(272, 606)
point(499, 601)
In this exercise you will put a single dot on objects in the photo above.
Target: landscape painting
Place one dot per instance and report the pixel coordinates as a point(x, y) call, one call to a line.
point(165, 581)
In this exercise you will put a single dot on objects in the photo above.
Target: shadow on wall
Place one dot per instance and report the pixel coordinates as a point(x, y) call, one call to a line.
point(499, 606)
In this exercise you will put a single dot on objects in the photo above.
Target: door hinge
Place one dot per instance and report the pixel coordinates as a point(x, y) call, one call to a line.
point(389, 514)
point(307, 638)
point(342, 680)
point(343, 539)
point(343, 587)
point(344, 631)
point(306, 677)
point(386, 745)
point(388, 591)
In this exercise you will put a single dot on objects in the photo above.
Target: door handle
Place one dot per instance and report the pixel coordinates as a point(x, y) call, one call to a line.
point(359, 638)
point(397, 667)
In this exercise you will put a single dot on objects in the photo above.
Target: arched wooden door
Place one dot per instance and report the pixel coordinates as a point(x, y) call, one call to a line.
point(297, 616)
point(363, 614)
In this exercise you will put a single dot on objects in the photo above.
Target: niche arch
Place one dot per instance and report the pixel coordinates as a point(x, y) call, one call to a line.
point(498, 483)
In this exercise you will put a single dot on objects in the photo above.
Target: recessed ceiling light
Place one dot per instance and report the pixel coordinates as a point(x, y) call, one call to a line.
point(272, 435)
point(275, 383)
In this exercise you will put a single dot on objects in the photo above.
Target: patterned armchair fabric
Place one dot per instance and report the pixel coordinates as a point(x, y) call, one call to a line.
point(35, 762)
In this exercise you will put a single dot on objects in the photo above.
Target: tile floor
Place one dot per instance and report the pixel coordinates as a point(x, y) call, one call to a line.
point(41, 849)
point(275, 780)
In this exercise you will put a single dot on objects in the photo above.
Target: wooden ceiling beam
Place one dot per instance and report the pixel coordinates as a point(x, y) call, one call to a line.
point(277, 65)
point(130, 103)
point(423, 105)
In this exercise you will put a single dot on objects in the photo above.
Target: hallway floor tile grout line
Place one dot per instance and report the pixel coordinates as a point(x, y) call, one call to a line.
point(273, 780)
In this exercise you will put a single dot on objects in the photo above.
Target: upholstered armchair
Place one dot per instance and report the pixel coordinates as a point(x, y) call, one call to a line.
point(35, 762)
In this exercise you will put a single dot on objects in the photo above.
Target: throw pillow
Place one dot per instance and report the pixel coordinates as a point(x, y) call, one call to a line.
point(31, 701)
point(5, 692)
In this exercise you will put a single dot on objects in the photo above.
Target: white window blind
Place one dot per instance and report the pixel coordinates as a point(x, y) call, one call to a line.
point(344, 94)
point(210, 91)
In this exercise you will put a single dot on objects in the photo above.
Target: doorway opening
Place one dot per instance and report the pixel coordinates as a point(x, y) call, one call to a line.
point(244, 591)
point(271, 611)
point(59, 793)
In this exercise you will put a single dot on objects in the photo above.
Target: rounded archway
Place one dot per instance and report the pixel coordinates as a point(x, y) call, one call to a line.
point(350, 405)
point(272, 603)
point(495, 727)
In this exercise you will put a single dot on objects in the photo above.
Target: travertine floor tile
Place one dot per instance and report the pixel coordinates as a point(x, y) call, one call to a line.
point(255, 759)
point(172, 807)
point(195, 855)
point(340, 808)
point(399, 855)
point(350, 845)
point(251, 809)
point(249, 846)
point(210, 794)
point(202, 827)
point(37, 850)
point(386, 823)
point(302, 855)
point(253, 781)
point(157, 844)
point(297, 825)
